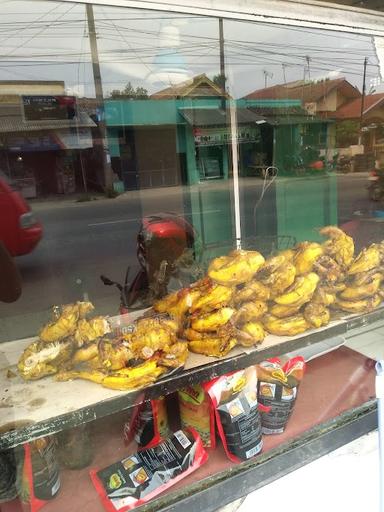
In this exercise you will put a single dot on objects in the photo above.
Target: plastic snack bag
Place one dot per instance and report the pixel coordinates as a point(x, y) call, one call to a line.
point(234, 399)
point(196, 412)
point(38, 478)
point(277, 389)
point(138, 478)
point(149, 424)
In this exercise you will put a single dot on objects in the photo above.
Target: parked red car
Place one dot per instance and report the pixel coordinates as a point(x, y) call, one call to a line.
point(19, 230)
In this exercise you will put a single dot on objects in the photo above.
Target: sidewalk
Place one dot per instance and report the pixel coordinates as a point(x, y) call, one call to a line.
point(344, 480)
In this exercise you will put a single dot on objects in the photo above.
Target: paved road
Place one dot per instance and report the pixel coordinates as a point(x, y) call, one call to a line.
point(83, 240)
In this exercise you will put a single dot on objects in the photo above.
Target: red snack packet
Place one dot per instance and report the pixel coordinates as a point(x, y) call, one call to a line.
point(277, 389)
point(140, 477)
point(149, 424)
point(196, 412)
point(234, 399)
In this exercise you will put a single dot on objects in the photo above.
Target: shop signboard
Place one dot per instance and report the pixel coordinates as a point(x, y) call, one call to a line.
point(44, 108)
point(220, 136)
point(54, 140)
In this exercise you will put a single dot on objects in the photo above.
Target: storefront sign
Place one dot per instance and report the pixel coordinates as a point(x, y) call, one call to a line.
point(220, 136)
point(43, 108)
point(80, 138)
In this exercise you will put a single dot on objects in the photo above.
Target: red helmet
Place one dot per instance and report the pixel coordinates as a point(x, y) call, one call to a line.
point(163, 237)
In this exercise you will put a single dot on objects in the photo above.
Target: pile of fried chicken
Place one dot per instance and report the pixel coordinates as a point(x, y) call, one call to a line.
point(243, 297)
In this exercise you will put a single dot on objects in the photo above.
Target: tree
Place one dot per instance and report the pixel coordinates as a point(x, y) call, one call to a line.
point(130, 92)
point(347, 133)
point(219, 80)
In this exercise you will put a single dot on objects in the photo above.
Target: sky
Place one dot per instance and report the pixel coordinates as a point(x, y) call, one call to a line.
point(50, 41)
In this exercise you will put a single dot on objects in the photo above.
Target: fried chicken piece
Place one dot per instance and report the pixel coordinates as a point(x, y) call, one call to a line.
point(300, 292)
point(216, 296)
point(85, 354)
point(214, 347)
point(40, 359)
point(369, 288)
point(236, 268)
point(89, 330)
point(328, 269)
point(359, 306)
point(306, 255)
point(340, 246)
point(316, 315)
point(174, 356)
point(289, 326)
point(368, 259)
point(114, 354)
point(250, 311)
point(255, 290)
point(211, 321)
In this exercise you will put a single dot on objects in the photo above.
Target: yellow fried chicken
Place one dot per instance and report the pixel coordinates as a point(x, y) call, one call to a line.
point(174, 356)
point(328, 269)
point(165, 303)
point(214, 347)
point(323, 297)
point(365, 277)
point(250, 311)
point(359, 306)
point(250, 334)
point(150, 335)
point(89, 330)
point(368, 259)
point(317, 315)
point(290, 326)
point(281, 279)
point(65, 325)
point(40, 359)
point(306, 255)
point(339, 245)
point(115, 354)
point(356, 292)
point(270, 265)
point(211, 321)
point(254, 290)
point(86, 353)
point(300, 292)
point(216, 296)
point(236, 268)
point(282, 311)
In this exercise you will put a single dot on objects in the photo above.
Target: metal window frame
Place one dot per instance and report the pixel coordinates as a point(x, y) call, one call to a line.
point(303, 13)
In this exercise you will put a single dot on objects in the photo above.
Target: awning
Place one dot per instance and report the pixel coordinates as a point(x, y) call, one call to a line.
point(11, 121)
point(217, 117)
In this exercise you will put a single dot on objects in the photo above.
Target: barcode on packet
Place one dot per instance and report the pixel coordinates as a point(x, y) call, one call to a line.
point(254, 451)
point(183, 439)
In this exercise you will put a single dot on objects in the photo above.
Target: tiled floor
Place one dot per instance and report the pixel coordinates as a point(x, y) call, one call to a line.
point(345, 480)
point(368, 341)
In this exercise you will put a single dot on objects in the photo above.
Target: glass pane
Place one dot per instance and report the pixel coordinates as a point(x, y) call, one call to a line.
point(142, 153)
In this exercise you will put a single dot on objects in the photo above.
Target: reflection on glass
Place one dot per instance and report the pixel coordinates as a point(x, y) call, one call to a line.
point(135, 147)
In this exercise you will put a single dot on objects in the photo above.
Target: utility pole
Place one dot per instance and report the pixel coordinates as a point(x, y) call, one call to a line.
point(267, 75)
point(222, 62)
point(363, 92)
point(99, 95)
point(284, 76)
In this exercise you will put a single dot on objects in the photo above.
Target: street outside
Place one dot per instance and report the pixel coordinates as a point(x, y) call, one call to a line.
point(85, 239)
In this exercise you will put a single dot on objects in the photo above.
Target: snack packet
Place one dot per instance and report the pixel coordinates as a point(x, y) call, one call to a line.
point(149, 424)
point(138, 478)
point(234, 399)
point(38, 478)
point(277, 389)
point(196, 411)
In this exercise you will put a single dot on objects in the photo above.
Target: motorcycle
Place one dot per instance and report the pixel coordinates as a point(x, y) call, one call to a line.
point(168, 252)
point(376, 184)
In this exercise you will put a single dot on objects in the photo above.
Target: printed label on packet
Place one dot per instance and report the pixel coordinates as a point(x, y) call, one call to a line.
point(137, 478)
